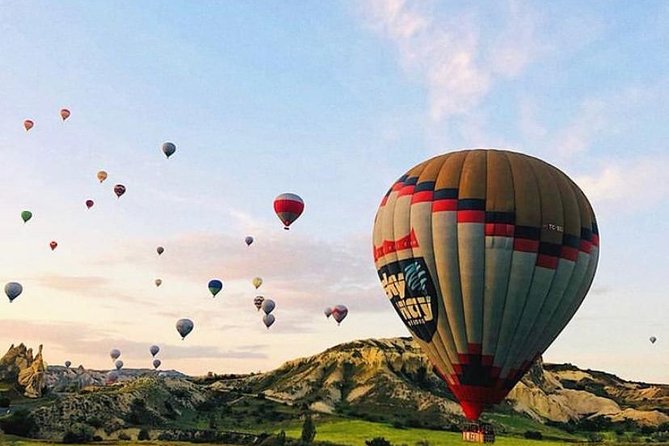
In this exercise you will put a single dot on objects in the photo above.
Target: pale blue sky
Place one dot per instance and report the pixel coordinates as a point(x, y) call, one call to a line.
point(333, 101)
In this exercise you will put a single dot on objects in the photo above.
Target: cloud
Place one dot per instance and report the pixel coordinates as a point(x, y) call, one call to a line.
point(79, 284)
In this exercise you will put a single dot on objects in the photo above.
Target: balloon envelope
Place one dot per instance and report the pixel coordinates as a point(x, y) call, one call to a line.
point(53, 245)
point(26, 215)
point(268, 320)
point(268, 306)
point(158, 282)
point(327, 312)
point(119, 190)
point(154, 349)
point(258, 302)
point(102, 175)
point(118, 364)
point(169, 149)
point(64, 113)
point(485, 256)
point(115, 353)
point(288, 208)
point(89, 203)
point(257, 282)
point(248, 240)
point(28, 124)
point(13, 290)
point(339, 313)
point(160, 250)
point(215, 286)
point(652, 339)
point(68, 364)
point(184, 327)
point(156, 363)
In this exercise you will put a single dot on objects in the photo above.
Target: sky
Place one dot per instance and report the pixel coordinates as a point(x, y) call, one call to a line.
point(329, 100)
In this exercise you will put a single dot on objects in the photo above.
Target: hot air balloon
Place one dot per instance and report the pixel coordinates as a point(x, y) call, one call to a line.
point(158, 282)
point(248, 240)
point(339, 313)
point(89, 203)
point(118, 364)
point(160, 250)
point(268, 320)
point(215, 287)
point(652, 339)
point(28, 124)
point(268, 306)
point(327, 312)
point(13, 290)
point(169, 149)
point(112, 377)
point(115, 354)
point(102, 175)
point(184, 326)
point(119, 190)
point(64, 113)
point(26, 215)
point(156, 363)
point(53, 245)
point(288, 208)
point(68, 364)
point(485, 255)
point(154, 349)
point(257, 281)
point(258, 302)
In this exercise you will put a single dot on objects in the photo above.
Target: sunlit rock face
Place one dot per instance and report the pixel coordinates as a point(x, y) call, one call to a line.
point(18, 365)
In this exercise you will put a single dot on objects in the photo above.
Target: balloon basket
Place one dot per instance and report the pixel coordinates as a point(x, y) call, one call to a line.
point(478, 433)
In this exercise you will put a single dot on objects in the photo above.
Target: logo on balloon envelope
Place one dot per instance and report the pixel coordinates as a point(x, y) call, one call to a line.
point(410, 288)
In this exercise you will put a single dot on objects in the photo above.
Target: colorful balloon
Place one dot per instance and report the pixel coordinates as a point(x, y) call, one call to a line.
point(169, 149)
point(115, 354)
point(89, 203)
point(327, 312)
point(28, 124)
point(288, 208)
point(215, 287)
point(156, 363)
point(268, 306)
point(112, 377)
point(258, 302)
point(248, 240)
point(102, 175)
point(485, 255)
point(339, 313)
point(158, 282)
point(118, 364)
point(160, 250)
point(68, 364)
point(119, 190)
point(64, 113)
point(26, 215)
point(154, 349)
point(13, 290)
point(268, 320)
point(257, 281)
point(184, 327)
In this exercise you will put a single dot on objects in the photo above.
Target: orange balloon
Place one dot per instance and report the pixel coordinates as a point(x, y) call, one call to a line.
point(64, 113)
point(28, 124)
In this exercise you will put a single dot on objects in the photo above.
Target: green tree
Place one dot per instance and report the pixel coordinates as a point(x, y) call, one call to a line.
point(378, 441)
point(143, 434)
point(308, 430)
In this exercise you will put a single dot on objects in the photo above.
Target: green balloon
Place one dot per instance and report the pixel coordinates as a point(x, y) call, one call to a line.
point(26, 215)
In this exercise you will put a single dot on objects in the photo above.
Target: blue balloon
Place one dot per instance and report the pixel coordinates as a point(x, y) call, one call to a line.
point(215, 286)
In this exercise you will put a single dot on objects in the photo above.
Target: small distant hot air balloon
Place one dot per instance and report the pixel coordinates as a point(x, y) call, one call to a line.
point(102, 175)
point(160, 250)
point(118, 364)
point(258, 302)
point(119, 190)
point(112, 377)
point(248, 240)
point(68, 364)
point(64, 113)
point(13, 290)
point(169, 149)
point(156, 363)
point(26, 215)
point(268, 320)
point(158, 282)
point(339, 313)
point(215, 286)
point(288, 208)
point(154, 349)
point(184, 327)
point(115, 354)
point(89, 203)
point(257, 281)
point(28, 124)
point(652, 339)
point(327, 312)
point(268, 306)
point(53, 245)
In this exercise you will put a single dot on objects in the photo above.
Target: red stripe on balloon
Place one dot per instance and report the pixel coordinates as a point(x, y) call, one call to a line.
point(499, 230)
point(422, 196)
point(468, 216)
point(292, 206)
point(546, 261)
point(525, 245)
point(445, 205)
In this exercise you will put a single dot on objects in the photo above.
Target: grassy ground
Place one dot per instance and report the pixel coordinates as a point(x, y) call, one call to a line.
point(9, 440)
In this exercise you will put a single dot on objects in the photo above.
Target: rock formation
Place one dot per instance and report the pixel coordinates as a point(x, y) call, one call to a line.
point(18, 365)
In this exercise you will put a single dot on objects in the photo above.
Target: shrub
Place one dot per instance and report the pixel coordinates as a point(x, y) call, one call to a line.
point(378, 441)
point(19, 423)
point(595, 437)
point(4, 401)
point(124, 436)
point(533, 435)
point(308, 430)
point(79, 433)
point(143, 435)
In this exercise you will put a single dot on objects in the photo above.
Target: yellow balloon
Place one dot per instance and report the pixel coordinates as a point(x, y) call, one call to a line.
point(257, 282)
point(102, 175)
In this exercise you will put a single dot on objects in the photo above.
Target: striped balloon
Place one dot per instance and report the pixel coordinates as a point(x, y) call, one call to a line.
point(486, 255)
point(288, 208)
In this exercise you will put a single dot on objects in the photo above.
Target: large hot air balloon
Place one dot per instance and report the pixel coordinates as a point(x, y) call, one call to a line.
point(160, 250)
point(258, 302)
point(28, 124)
point(288, 208)
point(26, 215)
point(53, 244)
point(154, 349)
point(248, 240)
point(158, 282)
point(339, 313)
point(119, 190)
point(13, 290)
point(268, 320)
point(257, 281)
point(485, 255)
point(327, 312)
point(268, 306)
point(215, 287)
point(169, 149)
point(115, 354)
point(89, 204)
point(64, 113)
point(118, 364)
point(68, 364)
point(652, 339)
point(156, 363)
point(184, 327)
point(102, 175)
